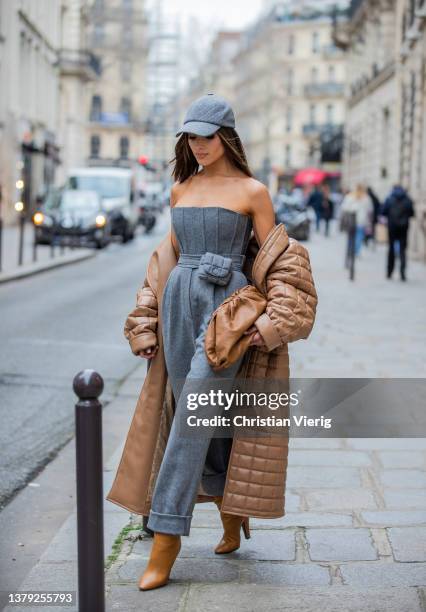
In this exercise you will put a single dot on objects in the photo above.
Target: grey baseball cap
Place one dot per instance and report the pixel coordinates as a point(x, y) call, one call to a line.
point(206, 115)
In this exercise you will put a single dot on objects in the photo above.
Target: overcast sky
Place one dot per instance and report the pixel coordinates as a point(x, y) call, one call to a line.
point(226, 14)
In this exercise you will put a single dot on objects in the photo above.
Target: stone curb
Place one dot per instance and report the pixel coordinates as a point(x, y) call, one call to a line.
point(32, 269)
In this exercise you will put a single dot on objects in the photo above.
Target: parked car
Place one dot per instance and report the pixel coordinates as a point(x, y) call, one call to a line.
point(115, 188)
point(293, 213)
point(70, 217)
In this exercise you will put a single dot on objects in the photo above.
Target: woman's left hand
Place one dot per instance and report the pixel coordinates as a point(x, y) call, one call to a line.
point(257, 339)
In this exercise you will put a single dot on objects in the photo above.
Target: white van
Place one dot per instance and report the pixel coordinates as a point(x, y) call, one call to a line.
point(115, 188)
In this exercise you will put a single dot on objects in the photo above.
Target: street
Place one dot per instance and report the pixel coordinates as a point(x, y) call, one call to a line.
point(53, 325)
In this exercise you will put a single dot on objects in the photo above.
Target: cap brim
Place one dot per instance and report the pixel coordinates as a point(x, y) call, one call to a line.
point(199, 127)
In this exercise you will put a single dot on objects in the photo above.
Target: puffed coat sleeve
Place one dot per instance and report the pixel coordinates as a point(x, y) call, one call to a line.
point(140, 327)
point(291, 298)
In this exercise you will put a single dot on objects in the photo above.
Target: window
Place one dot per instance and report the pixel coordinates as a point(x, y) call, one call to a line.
point(127, 37)
point(290, 79)
point(289, 119)
point(291, 41)
point(126, 70)
point(330, 113)
point(124, 147)
point(95, 145)
point(315, 42)
point(98, 34)
point(312, 114)
point(288, 155)
point(331, 74)
point(126, 107)
point(96, 108)
point(314, 74)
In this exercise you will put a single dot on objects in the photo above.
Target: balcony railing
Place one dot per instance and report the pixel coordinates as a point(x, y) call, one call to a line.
point(317, 129)
point(107, 13)
point(80, 62)
point(117, 120)
point(330, 88)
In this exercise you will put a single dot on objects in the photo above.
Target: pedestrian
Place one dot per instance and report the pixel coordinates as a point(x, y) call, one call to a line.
point(359, 202)
point(315, 200)
point(223, 238)
point(377, 205)
point(327, 207)
point(398, 208)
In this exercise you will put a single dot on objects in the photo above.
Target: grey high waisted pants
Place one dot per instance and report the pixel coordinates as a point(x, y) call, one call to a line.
point(189, 461)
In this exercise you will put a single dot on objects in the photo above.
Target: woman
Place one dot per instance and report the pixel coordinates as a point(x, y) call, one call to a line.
point(213, 213)
point(359, 202)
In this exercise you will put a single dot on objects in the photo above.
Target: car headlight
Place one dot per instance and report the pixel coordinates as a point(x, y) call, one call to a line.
point(100, 220)
point(40, 219)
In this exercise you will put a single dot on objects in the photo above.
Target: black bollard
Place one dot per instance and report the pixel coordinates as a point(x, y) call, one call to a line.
point(88, 385)
point(21, 239)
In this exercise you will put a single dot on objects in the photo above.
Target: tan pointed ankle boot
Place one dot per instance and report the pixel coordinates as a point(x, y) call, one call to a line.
point(165, 549)
point(232, 525)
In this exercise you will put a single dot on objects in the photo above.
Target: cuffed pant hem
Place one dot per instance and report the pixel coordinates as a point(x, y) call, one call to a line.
point(169, 523)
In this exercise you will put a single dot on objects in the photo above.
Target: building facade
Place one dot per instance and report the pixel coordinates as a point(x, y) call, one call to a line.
point(30, 38)
point(385, 136)
point(289, 93)
point(79, 67)
point(116, 105)
point(411, 20)
point(45, 67)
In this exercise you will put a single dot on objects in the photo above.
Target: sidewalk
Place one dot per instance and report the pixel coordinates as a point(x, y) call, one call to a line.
point(44, 259)
point(354, 534)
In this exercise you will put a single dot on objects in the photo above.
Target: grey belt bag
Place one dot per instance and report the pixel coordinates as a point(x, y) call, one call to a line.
point(215, 268)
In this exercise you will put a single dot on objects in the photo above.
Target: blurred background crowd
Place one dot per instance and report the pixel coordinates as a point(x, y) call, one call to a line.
point(330, 99)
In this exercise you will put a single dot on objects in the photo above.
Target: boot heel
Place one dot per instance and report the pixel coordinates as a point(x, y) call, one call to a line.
point(246, 527)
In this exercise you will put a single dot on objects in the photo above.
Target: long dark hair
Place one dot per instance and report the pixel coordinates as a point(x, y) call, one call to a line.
point(186, 165)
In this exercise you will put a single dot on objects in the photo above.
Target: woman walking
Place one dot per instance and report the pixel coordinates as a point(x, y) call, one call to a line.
point(214, 213)
point(359, 202)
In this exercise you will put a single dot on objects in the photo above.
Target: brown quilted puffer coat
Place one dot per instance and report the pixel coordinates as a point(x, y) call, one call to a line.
point(255, 483)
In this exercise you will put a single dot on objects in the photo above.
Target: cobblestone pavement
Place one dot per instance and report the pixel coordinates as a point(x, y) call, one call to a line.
point(354, 534)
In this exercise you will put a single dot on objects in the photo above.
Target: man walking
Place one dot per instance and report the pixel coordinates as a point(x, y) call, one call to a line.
point(398, 208)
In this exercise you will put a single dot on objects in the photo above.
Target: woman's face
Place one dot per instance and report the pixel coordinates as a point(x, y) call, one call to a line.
point(207, 149)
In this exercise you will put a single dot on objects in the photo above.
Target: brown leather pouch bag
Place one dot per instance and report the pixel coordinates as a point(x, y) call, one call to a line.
point(225, 341)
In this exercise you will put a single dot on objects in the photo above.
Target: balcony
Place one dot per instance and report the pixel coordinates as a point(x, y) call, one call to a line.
point(78, 62)
point(117, 120)
point(331, 52)
point(319, 129)
point(121, 14)
point(323, 90)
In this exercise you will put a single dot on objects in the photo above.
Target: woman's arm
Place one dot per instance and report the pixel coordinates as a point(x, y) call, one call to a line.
point(261, 211)
point(291, 298)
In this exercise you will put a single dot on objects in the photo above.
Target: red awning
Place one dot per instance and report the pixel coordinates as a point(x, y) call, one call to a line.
point(310, 176)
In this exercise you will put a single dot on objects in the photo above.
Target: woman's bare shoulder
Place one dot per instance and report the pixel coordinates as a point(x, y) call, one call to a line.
point(177, 189)
point(257, 194)
point(255, 187)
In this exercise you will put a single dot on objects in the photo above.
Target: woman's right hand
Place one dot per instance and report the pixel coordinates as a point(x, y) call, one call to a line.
point(149, 352)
